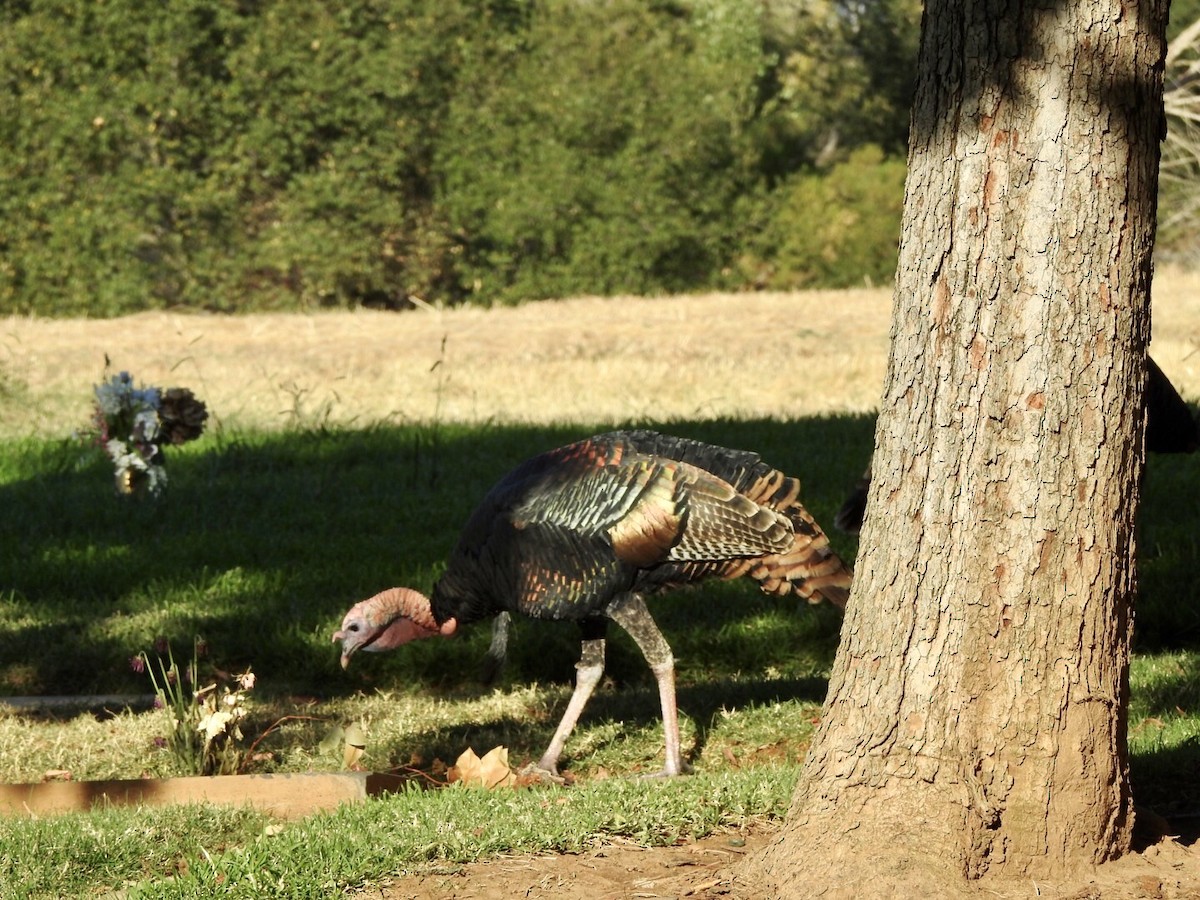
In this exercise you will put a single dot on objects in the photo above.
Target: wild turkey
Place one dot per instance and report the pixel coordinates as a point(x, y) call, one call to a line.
point(586, 531)
point(1170, 428)
point(1170, 425)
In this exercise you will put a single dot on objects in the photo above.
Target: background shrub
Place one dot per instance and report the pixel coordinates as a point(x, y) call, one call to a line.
point(610, 155)
point(837, 229)
point(294, 154)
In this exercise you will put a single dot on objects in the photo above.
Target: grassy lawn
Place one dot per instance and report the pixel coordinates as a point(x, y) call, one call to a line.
point(262, 541)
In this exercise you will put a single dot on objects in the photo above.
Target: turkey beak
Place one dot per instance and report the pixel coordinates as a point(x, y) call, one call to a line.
point(347, 648)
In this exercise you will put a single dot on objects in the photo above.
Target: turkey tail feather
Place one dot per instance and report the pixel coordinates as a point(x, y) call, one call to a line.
point(808, 567)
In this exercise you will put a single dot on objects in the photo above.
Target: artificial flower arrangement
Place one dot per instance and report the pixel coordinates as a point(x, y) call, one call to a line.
point(135, 423)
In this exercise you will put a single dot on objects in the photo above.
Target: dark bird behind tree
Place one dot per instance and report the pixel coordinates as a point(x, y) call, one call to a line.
point(1170, 428)
point(587, 531)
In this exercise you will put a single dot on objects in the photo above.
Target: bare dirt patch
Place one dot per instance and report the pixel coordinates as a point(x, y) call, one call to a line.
point(703, 868)
point(710, 869)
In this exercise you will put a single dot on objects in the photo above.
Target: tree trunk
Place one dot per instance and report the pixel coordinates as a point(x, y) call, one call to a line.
point(975, 723)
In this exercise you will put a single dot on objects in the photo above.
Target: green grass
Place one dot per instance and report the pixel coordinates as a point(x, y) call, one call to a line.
point(201, 851)
point(261, 543)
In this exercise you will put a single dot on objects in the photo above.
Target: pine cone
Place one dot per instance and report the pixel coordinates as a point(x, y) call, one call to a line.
point(181, 416)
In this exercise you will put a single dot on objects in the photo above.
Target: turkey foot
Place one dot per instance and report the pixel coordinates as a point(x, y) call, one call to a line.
point(545, 776)
point(588, 672)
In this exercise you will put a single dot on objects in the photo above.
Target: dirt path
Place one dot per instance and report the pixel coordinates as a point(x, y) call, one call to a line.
point(707, 869)
point(699, 869)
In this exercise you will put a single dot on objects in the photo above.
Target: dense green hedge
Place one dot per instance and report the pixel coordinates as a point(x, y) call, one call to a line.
point(252, 154)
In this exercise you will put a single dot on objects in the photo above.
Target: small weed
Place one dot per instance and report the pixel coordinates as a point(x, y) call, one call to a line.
point(205, 722)
point(306, 412)
point(430, 435)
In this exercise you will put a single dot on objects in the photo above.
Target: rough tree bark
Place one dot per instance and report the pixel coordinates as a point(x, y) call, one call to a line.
point(975, 723)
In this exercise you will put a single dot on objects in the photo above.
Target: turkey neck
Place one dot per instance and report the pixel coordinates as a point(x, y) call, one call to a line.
point(397, 602)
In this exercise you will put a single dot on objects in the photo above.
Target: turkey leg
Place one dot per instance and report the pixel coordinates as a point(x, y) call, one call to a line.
point(589, 670)
point(629, 611)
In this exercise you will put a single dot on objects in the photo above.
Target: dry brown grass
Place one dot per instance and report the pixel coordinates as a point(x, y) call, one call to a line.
point(586, 360)
point(583, 360)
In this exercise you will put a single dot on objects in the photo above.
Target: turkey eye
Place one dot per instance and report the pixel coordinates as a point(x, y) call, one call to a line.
point(353, 627)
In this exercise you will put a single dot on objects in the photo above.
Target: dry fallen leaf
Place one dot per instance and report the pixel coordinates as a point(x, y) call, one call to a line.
point(354, 737)
point(492, 771)
point(351, 755)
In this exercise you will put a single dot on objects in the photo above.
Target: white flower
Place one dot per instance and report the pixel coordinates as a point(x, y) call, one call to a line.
point(157, 478)
point(145, 425)
point(119, 453)
point(214, 724)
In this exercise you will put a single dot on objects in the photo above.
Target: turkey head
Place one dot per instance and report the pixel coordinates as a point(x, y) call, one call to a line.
point(388, 620)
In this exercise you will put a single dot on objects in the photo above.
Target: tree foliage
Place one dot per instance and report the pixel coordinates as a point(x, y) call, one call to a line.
point(1179, 194)
point(607, 167)
point(291, 153)
point(829, 226)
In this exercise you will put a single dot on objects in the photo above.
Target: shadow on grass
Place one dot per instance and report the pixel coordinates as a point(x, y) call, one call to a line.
point(614, 715)
point(262, 541)
point(1168, 606)
point(1167, 780)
